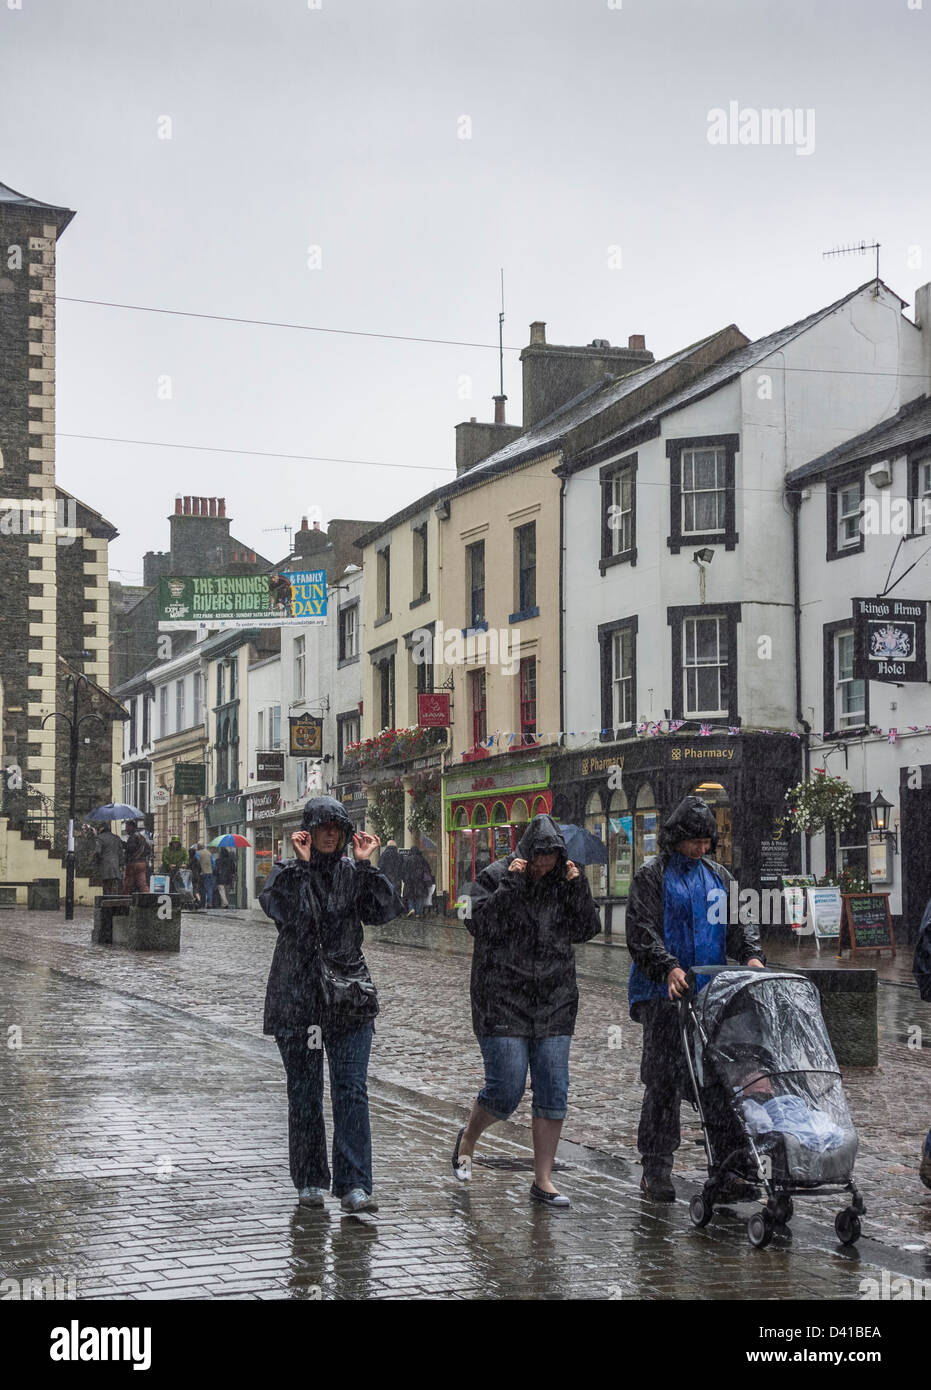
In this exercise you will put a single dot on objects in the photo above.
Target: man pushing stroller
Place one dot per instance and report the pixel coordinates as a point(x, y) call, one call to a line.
point(672, 924)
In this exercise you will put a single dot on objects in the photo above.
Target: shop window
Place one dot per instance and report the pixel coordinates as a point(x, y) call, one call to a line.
point(719, 801)
point(620, 845)
point(519, 813)
point(646, 827)
point(460, 819)
point(539, 808)
point(597, 874)
point(479, 814)
point(499, 813)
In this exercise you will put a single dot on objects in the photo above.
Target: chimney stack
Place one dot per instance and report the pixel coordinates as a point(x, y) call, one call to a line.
point(637, 342)
point(499, 409)
point(303, 523)
point(537, 332)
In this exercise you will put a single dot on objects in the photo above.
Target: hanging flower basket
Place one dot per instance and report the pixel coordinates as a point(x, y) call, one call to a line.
point(821, 800)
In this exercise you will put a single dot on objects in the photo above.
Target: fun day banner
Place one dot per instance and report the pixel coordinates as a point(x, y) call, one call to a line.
point(277, 599)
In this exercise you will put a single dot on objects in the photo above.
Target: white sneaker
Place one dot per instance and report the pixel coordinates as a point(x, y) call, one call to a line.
point(358, 1200)
point(310, 1197)
point(462, 1165)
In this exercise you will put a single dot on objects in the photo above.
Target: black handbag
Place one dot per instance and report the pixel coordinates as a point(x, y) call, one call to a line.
point(345, 994)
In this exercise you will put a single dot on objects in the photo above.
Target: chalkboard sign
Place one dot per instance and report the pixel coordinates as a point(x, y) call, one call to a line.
point(867, 922)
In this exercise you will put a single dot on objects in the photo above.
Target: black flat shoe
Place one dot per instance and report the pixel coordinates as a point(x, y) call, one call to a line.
point(548, 1199)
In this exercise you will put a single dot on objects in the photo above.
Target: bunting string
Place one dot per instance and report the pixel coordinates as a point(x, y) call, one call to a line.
point(703, 729)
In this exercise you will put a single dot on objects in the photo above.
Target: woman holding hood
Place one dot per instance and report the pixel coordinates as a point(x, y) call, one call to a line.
point(525, 912)
point(320, 996)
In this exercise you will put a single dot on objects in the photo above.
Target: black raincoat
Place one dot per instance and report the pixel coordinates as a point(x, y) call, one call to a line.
point(922, 961)
point(320, 905)
point(523, 964)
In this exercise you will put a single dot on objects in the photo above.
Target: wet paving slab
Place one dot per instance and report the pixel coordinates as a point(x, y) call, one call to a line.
point(144, 1146)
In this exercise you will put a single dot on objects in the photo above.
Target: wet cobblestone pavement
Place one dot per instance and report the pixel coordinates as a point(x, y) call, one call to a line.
point(144, 1141)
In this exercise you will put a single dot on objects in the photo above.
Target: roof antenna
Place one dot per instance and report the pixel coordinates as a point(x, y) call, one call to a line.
point(856, 250)
point(501, 339)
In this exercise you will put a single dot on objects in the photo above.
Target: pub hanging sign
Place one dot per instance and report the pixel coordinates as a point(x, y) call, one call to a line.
point(306, 736)
point(889, 639)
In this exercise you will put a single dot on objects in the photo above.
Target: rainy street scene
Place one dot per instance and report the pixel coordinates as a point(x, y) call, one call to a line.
point(520, 892)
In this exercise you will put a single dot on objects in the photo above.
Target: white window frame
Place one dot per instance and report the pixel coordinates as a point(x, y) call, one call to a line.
point(690, 625)
point(180, 705)
point(300, 667)
point(163, 710)
point(844, 686)
point(622, 641)
point(847, 541)
point(198, 698)
point(692, 493)
point(622, 525)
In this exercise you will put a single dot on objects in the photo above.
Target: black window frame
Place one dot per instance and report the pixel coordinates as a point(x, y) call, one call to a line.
point(387, 706)
point(606, 633)
point(424, 595)
point(675, 618)
point(829, 631)
point(526, 603)
point(341, 658)
point(834, 486)
point(607, 475)
point(914, 461)
point(472, 550)
point(675, 448)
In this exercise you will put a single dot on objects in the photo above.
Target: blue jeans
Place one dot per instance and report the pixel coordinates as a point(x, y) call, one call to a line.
point(348, 1059)
point(506, 1063)
point(208, 884)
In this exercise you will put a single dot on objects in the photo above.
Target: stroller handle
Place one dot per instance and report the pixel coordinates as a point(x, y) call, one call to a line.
point(695, 970)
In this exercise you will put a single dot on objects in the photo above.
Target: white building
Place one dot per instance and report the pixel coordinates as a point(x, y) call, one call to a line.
point(864, 532)
point(679, 599)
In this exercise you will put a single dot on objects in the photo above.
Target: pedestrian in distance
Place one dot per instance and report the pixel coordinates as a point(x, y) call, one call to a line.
point(526, 912)
point(225, 876)
point(320, 997)
point(390, 863)
point(672, 924)
point(922, 969)
point(136, 851)
point(197, 878)
point(108, 853)
point(174, 860)
point(417, 880)
point(208, 877)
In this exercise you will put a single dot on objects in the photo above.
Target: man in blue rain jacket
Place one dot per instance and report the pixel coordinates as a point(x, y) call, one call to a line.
point(675, 920)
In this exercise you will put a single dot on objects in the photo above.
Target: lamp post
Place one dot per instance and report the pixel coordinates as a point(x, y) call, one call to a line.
point(74, 726)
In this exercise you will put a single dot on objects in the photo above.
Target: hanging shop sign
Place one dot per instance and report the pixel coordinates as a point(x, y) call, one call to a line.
point(306, 736)
point(433, 710)
point(889, 639)
point(263, 806)
point(269, 767)
point(190, 779)
point(242, 600)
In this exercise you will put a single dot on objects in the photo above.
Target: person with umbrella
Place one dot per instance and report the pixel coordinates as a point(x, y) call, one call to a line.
point(527, 913)
point(107, 856)
point(320, 996)
point(417, 880)
point(225, 875)
point(197, 878)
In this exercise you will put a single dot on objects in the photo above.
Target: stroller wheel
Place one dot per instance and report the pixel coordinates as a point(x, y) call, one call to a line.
point(847, 1226)
point(783, 1209)
point(760, 1229)
point(700, 1210)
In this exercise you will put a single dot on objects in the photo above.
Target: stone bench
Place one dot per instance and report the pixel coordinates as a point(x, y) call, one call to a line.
point(133, 921)
point(849, 1005)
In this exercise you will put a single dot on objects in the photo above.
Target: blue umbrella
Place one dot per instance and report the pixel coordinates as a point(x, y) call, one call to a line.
point(582, 846)
point(115, 811)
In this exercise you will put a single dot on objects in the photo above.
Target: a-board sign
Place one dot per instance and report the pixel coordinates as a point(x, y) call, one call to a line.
point(825, 911)
point(793, 898)
point(867, 923)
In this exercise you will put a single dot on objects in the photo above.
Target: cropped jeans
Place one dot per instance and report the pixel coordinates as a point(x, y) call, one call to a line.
point(507, 1060)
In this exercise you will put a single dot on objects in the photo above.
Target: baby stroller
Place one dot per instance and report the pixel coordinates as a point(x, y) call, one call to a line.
point(768, 1093)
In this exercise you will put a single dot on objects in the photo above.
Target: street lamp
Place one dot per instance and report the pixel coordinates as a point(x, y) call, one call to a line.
point(74, 727)
point(879, 813)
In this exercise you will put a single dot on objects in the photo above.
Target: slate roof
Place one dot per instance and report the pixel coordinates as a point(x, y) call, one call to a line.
point(911, 425)
point(22, 200)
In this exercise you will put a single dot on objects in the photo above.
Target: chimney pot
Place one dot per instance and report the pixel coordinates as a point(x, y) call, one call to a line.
point(499, 409)
point(187, 506)
point(637, 342)
point(213, 506)
point(316, 525)
point(303, 523)
point(473, 419)
point(178, 505)
point(538, 331)
point(221, 506)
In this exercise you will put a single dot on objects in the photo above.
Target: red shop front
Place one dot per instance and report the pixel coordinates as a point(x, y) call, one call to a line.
point(487, 814)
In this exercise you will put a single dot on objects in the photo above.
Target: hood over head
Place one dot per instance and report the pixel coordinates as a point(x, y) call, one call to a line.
point(542, 836)
point(693, 819)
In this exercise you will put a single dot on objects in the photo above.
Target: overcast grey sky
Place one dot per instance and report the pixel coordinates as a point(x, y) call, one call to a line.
point(340, 128)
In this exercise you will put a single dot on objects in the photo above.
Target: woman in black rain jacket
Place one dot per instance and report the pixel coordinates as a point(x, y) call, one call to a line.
point(320, 997)
point(526, 912)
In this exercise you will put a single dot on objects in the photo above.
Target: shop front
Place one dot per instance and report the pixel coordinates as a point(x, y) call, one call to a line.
point(623, 792)
point(262, 810)
point(225, 815)
point(485, 816)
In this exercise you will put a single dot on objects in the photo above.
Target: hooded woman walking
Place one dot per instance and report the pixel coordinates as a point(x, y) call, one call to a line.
point(320, 996)
point(527, 911)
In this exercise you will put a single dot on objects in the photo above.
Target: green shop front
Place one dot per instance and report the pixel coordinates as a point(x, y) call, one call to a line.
point(226, 815)
point(485, 812)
